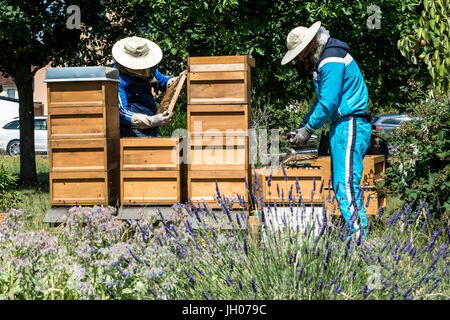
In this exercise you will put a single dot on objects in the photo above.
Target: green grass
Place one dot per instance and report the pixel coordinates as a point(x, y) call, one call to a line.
point(35, 199)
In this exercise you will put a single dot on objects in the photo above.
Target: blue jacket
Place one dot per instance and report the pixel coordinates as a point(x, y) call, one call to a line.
point(339, 86)
point(135, 94)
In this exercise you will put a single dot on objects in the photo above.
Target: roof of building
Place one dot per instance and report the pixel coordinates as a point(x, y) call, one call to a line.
point(6, 81)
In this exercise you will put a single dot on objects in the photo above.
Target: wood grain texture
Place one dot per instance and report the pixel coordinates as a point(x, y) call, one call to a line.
point(210, 119)
point(152, 153)
point(219, 80)
point(218, 153)
point(151, 187)
point(202, 186)
point(227, 60)
point(280, 186)
point(83, 187)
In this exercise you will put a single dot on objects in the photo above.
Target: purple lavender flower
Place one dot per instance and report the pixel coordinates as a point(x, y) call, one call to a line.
point(300, 272)
point(206, 296)
point(284, 172)
point(327, 259)
point(152, 292)
point(189, 275)
point(432, 242)
point(245, 245)
point(297, 185)
point(135, 256)
point(269, 180)
point(354, 274)
point(240, 285)
point(199, 270)
point(320, 285)
point(254, 286)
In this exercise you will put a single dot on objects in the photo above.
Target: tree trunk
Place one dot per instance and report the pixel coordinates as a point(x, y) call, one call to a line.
point(24, 82)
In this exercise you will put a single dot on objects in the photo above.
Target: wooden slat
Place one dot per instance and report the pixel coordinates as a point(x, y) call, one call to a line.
point(202, 185)
point(217, 67)
point(217, 76)
point(150, 187)
point(305, 177)
point(152, 153)
point(206, 119)
point(221, 60)
point(77, 92)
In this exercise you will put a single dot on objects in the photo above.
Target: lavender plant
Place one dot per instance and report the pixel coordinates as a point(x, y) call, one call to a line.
point(192, 254)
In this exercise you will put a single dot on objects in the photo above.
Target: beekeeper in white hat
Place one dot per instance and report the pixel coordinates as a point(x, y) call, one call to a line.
point(136, 58)
point(342, 97)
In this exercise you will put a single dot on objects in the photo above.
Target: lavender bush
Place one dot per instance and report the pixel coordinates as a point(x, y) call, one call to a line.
point(94, 256)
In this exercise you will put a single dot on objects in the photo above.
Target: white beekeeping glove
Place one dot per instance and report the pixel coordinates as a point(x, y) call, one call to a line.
point(171, 81)
point(143, 121)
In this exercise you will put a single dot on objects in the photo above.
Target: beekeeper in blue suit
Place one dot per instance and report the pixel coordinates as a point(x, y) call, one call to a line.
point(342, 98)
point(136, 58)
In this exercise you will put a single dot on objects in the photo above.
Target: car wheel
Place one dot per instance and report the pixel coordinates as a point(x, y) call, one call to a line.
point(13, 148)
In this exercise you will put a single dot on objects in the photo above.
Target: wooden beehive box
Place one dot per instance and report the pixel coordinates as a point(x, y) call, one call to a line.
point(218, 153)
point(83, 133)
point(152, 153)
point(281, 185)
point(210, 119)
point(219, 80)
point(152, 171)
point(83, 154)
point(68, 188)
point(82, 109)
point(202, 186)
point(373, 167)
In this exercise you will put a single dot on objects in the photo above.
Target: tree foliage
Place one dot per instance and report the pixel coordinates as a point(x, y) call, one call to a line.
point(429, 42)
point(34, 34)
point(193, 28)
point(420, 170)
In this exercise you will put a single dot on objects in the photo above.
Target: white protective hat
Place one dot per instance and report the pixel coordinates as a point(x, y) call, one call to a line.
point(298, 39)
point(137, 53)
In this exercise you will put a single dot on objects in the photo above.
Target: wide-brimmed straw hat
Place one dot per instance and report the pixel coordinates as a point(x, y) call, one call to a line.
point(136, 53)
point(298, 39)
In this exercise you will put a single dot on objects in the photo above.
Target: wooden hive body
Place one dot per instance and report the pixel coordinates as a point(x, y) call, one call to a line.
point(152, 172)
point(83, 133)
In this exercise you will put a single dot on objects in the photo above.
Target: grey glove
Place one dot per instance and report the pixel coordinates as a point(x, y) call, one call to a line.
point(143, 121)
point(302, 135)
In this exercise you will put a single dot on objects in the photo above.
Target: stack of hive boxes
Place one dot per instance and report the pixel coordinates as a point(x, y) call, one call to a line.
point(219, 109)
point(83, 134)
point(151, 171)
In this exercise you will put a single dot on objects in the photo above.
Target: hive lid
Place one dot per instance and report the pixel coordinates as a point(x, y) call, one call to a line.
point(69, 74)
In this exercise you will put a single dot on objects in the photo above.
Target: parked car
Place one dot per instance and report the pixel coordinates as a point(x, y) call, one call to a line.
point(10, 136)
point(388, 122)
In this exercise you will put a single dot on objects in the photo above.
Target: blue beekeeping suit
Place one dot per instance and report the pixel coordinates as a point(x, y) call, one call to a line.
point(135, 96)
point(342, 97)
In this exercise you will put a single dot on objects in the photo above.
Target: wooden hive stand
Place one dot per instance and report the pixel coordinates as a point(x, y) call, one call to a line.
point(83, 134)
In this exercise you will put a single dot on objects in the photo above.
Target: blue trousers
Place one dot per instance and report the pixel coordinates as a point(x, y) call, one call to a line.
point(349, 141)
